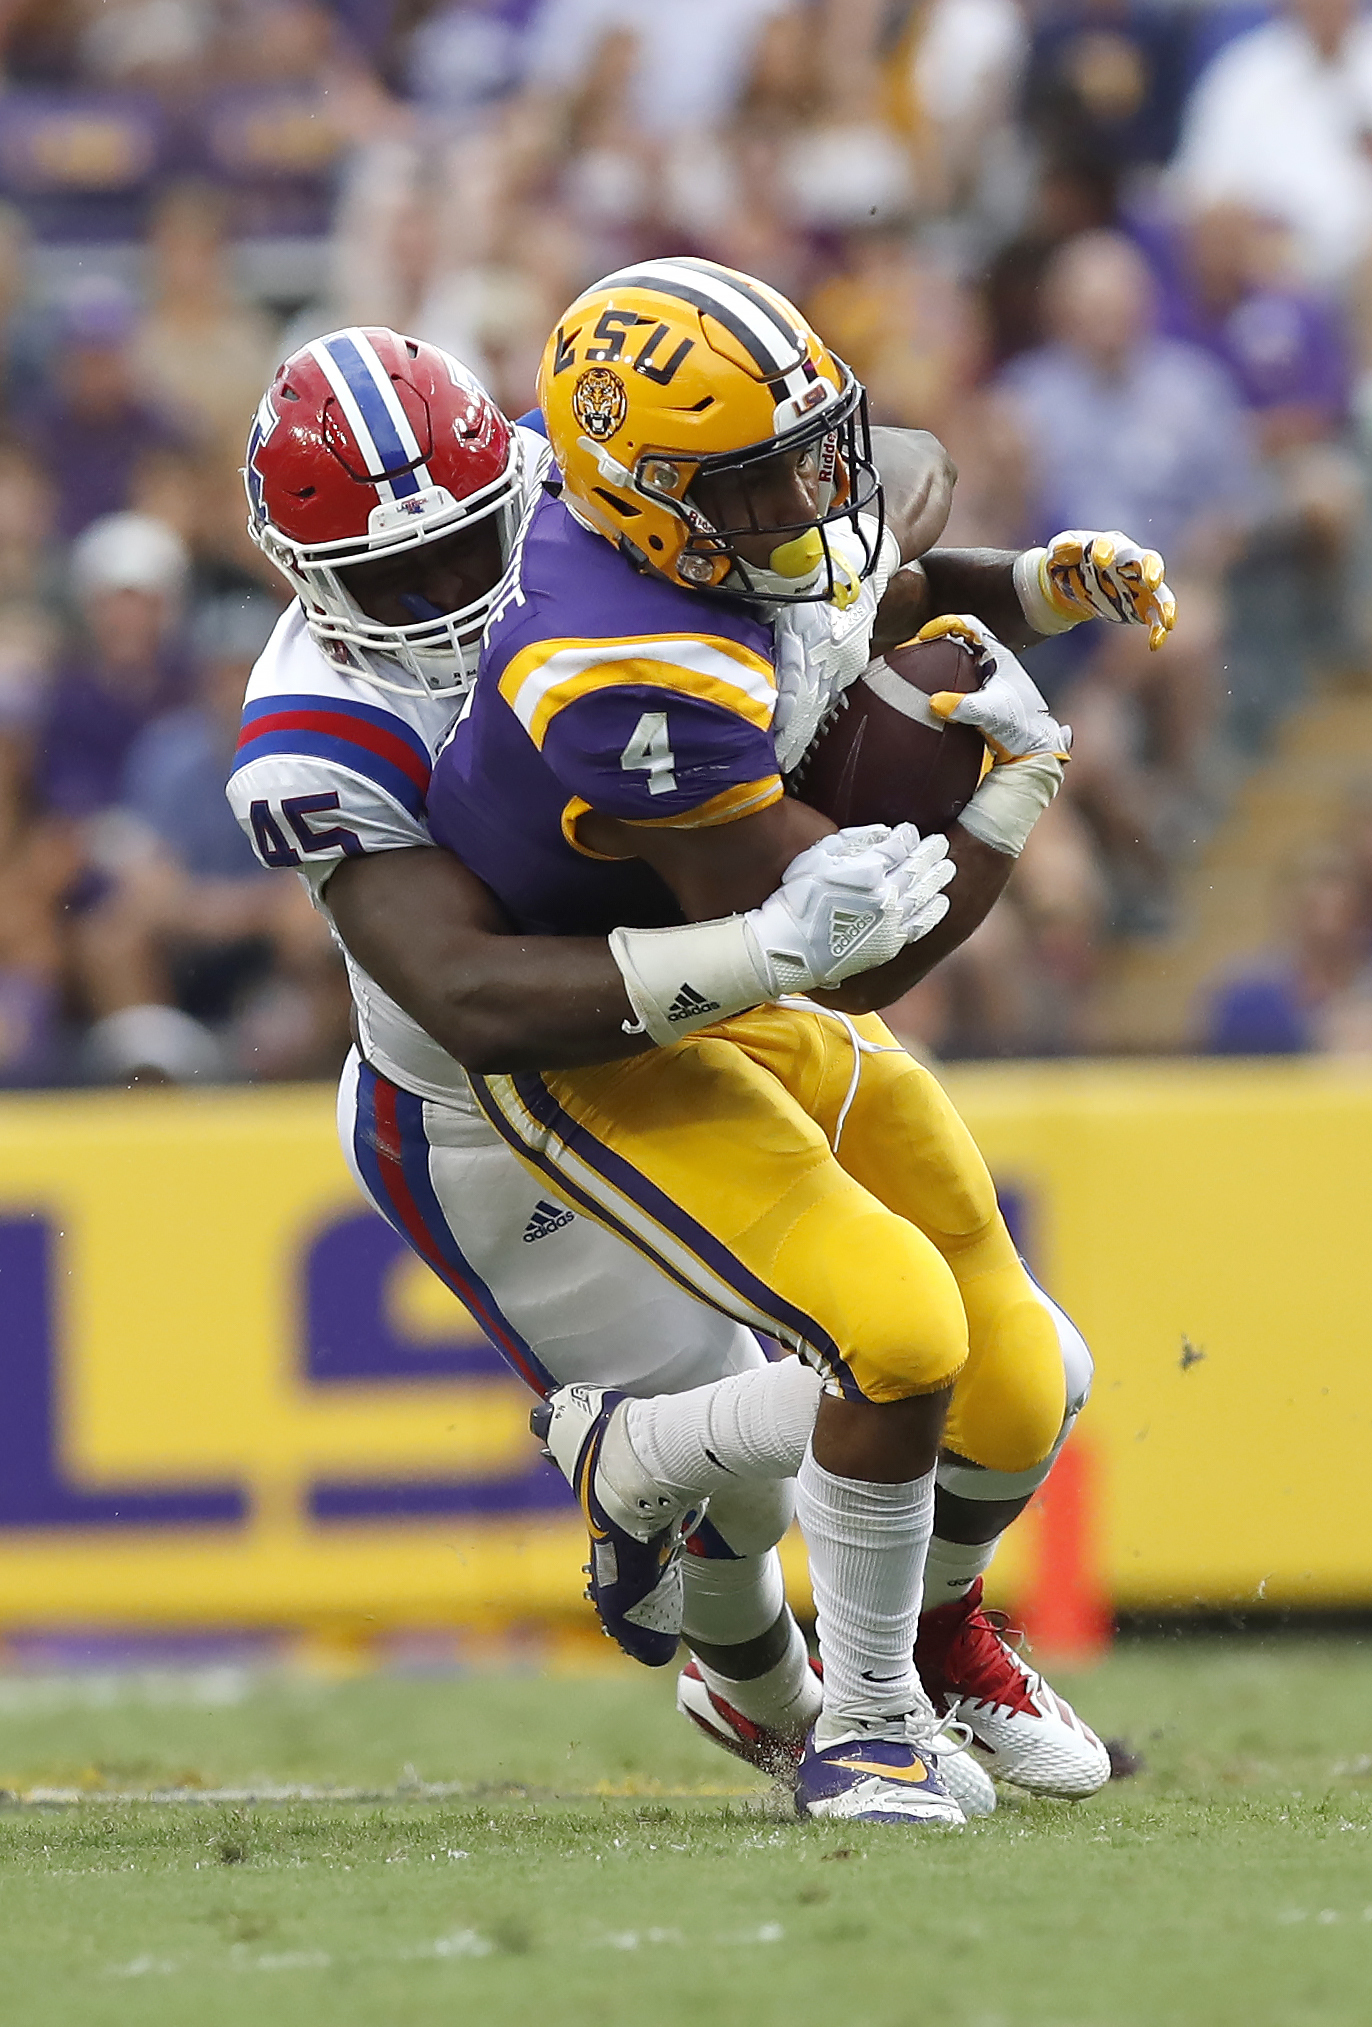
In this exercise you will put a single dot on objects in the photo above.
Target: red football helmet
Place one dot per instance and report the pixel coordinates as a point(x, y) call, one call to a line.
point(367, 444)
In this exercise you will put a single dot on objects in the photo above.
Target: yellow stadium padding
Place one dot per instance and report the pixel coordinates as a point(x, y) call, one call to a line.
point(225, 1398)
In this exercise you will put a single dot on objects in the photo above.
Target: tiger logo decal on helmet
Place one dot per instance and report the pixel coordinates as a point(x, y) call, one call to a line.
point(599, 403)
point(672, 371)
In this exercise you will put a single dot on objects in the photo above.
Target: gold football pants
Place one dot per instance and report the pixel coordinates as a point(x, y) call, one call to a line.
point(803, 1174)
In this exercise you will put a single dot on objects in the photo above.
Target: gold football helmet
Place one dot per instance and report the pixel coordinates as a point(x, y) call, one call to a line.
point(673, 371)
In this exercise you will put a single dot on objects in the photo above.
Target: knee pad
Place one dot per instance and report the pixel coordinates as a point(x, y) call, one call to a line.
point(1008, 1406)
point(978, 1480)
point(1078, 1366)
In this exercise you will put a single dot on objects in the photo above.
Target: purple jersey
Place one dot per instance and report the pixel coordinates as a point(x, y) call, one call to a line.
point(601, 690)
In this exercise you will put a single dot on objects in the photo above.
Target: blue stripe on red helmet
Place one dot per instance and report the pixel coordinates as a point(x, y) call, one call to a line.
point(256, 497)
point(375, 414)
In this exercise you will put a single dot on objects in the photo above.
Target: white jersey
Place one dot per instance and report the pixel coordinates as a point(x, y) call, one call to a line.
point(330, 766)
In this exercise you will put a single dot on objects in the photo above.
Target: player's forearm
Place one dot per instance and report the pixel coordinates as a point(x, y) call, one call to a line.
point(721, 869)
point(545, 1003)
point(432, 937)
point(981, 879)
point(979, 581)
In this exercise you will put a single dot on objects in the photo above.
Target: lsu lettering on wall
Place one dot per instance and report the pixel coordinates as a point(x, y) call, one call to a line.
point(228, 1394)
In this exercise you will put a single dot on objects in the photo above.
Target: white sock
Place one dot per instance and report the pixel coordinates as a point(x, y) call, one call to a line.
point(786, 1699)
point(726, 1602)
point(952, 1567)
point(867, 1546)
point(751, 1425)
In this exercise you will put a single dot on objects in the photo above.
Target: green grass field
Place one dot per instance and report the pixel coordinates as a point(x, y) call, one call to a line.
point(601, 1865)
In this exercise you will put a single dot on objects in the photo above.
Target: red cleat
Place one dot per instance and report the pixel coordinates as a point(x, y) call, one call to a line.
point(772, 1752)
point(1027, 1733)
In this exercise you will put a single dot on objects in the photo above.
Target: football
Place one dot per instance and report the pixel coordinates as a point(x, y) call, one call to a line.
point(885, 757)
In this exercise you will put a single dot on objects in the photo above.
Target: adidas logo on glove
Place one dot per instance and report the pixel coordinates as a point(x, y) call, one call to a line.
point(546, 1218)
point(689, 1004)
point(846, 927)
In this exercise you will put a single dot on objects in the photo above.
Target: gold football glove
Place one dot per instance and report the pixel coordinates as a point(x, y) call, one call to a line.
point(1081, 575)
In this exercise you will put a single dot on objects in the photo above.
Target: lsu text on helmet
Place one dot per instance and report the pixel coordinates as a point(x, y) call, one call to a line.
point(371, 445)
point(672, 371)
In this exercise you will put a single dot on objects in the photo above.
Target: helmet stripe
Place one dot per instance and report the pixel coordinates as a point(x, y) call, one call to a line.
point(370, 362)
point(770, 342)
point(792, 340)
point(252, 476)
point(374, 414)
point(782, 345)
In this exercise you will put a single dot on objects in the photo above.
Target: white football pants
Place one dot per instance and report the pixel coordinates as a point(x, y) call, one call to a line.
point(560, 1297)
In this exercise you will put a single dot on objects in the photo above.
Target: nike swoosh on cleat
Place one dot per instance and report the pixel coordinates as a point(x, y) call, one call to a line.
point(914, 1774)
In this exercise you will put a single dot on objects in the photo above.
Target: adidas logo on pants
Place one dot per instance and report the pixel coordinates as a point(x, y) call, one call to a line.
point(546, 1218)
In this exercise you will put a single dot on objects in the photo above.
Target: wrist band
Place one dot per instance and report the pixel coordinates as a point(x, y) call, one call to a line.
point(1010, 801)
point(682, 979)
point(1030, 588)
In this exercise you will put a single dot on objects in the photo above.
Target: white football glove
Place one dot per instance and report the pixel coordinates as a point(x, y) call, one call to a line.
point(1082, 575)
point(1007, 710)
point(849, 903)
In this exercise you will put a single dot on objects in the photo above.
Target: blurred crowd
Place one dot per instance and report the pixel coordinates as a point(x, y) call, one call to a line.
point(1116, 253)
point(1309, 989)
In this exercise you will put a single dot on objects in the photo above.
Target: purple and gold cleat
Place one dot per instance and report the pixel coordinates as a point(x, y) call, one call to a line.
point(876, 1778)
point(635, 1574)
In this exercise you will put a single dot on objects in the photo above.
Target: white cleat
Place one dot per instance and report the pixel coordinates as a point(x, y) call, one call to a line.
point(1027, 1733)
point(961, 1772)
point(771, 1752)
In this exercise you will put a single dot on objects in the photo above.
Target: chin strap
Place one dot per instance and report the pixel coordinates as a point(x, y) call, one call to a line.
point(608, 465)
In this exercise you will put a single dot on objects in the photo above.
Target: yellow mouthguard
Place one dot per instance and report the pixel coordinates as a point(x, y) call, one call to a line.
point(803, 555)
point(799, 556)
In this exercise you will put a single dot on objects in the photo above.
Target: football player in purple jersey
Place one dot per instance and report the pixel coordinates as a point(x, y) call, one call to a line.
point(395, 541)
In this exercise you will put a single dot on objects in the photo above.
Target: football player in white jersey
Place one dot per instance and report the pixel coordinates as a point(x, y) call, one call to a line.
point(388, 490)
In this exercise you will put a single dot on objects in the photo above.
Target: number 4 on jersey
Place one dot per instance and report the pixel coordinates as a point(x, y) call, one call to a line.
point(648, 749)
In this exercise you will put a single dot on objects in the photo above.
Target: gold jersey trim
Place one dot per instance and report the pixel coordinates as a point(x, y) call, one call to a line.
point(743, 799)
